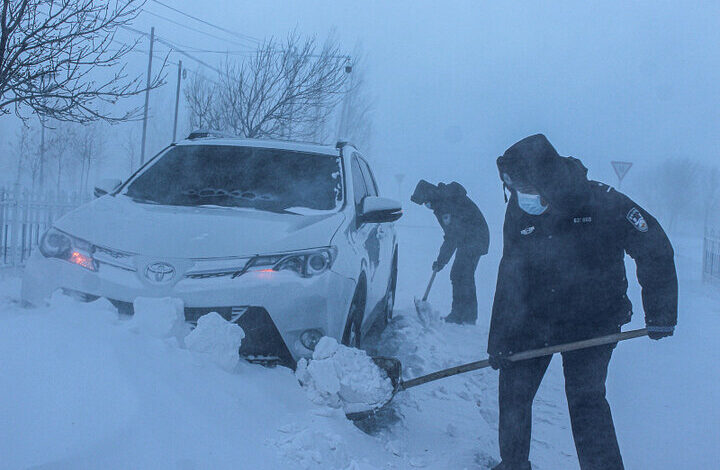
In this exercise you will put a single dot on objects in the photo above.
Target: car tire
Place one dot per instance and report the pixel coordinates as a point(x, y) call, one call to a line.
point(352, 336)
point(390, 295)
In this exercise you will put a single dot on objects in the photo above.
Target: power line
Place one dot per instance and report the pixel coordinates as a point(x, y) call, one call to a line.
point(183, 25)
point(220, 28)
point(175, 48)
point(165, 59)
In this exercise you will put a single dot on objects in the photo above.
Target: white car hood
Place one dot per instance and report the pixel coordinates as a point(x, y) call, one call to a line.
point(191, 232)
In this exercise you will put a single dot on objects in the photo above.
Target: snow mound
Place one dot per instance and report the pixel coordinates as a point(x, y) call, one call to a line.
point(101, 308)
point(216, 338)
point(159, 317)
point(342, 377)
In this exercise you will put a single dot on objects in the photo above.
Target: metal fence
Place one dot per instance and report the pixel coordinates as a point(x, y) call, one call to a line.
point(711, 256)
point(24, 217)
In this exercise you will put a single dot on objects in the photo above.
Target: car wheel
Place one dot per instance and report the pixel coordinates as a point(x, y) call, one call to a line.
point(390, 296)
point(352, 335)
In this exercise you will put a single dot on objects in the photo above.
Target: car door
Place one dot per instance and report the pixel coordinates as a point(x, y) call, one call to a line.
point(385, 234)
point(364, 237)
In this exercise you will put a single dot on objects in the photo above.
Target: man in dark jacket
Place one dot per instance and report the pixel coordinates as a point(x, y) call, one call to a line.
point(466, 235)
point(561, 279)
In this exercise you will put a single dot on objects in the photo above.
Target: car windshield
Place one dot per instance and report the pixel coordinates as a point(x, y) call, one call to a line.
point(232, 176)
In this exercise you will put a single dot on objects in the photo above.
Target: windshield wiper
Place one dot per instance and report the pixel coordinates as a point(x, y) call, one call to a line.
point(141, 200)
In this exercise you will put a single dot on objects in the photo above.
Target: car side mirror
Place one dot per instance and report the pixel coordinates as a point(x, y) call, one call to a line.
point(105, 186)
point(378, 210)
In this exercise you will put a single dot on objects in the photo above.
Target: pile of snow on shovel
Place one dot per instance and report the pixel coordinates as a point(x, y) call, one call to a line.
point(342, 377)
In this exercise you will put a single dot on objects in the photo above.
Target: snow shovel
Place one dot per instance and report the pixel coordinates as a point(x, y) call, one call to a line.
point(393, 367)
point(423, 307)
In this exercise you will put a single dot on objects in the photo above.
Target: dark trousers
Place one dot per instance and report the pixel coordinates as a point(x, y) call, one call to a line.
point(462, 276)
point(592, 425)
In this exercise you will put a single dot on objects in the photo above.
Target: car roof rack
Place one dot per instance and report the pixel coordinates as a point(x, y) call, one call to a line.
point(205, 133)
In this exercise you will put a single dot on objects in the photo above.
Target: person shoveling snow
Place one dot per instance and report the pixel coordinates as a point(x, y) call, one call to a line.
point(342, 377)
point(466, 236)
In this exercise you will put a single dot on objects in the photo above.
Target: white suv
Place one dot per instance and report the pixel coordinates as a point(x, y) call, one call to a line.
point(291, 241)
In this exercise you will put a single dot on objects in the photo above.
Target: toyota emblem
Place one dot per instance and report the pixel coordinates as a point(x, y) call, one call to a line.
point(159, 273)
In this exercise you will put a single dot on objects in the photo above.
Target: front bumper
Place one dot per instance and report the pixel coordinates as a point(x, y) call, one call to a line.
point(294, 304)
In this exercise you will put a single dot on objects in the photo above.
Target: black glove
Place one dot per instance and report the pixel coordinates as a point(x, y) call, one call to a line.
point(499, 361)
point(659, 332)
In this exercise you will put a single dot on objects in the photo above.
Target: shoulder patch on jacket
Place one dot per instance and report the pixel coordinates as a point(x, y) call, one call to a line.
point(637, 219)
point(446, 219)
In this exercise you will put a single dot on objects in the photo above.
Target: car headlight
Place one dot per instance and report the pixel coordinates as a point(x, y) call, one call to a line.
point(306, 263)
point(56, 244)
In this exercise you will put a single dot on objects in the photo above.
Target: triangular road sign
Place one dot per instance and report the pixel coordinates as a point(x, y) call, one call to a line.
point(621, 168)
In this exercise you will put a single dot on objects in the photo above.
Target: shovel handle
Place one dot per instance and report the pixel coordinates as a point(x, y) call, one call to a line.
point(521, 356)
point(427, 291)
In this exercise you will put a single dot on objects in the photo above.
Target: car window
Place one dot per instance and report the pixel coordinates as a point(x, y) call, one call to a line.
point(369, 178)
point(359, 187)
point(234, 176)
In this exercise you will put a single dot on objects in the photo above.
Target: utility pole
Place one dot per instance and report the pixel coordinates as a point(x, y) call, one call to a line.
point(177, 99)
point(344, 110)
point(147, 96)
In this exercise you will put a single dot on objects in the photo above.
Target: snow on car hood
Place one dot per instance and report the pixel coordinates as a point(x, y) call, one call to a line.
point(195, 232)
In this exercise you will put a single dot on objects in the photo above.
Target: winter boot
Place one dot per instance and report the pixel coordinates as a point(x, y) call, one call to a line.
point(452, 318)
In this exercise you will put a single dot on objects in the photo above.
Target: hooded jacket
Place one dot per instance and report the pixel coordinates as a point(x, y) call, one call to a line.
point(562, 275)
point(461, 220)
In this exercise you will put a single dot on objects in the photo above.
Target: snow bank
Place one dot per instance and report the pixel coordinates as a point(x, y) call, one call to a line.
point(217, 339)
point(342, 377)
point(159, 317)
point(101, 308)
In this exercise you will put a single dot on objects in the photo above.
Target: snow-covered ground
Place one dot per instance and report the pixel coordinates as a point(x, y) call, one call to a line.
point(82, 388)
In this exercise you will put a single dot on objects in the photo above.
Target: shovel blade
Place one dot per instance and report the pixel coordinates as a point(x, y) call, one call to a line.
point(393, 369)
point(424, 311)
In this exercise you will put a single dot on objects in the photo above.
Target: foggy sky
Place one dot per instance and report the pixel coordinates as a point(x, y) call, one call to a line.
point(456, 82)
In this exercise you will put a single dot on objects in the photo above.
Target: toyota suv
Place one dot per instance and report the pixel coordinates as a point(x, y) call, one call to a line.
point(291, 241)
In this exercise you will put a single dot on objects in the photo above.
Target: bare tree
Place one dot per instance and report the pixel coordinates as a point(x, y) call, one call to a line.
point(56, 58)
point(203, 105)
point(129, 146)
point(28, 156)
point(88, 140)
point(283, 90)
point(59, 147)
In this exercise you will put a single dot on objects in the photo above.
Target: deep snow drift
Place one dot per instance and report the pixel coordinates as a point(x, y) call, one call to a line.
point(342, 377)
point(82, 387)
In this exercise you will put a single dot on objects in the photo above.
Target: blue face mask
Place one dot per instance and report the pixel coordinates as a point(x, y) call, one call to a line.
point(531, 203)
